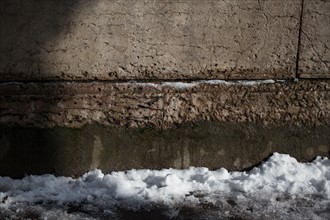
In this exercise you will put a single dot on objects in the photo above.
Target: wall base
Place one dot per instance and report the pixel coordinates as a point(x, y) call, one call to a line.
point(73, 151)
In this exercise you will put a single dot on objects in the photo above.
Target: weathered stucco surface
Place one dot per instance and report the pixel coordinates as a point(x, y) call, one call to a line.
point(164, 105)
point(148, 39)
point(315, 40)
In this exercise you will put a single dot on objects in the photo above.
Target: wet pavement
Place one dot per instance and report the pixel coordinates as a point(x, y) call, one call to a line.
point(238, 207)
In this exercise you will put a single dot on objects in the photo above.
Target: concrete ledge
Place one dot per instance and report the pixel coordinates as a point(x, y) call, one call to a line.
point(235, 146)
point(164, 105)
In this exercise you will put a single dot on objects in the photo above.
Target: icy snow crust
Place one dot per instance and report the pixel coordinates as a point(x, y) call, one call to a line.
point(134, 189)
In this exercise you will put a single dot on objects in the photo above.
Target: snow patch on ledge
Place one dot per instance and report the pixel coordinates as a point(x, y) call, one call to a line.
point(279, 174)
point(184, 85)
point(172, 84)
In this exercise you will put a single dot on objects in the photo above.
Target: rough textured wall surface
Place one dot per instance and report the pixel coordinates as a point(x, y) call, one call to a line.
point(315, 40)
point(164, 105)
point(148, 39)
point(67, 104)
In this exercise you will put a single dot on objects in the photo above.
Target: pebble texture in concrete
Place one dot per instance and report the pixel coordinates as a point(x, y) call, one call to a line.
point(315, 40)
point(148, 39)
point(163, 105)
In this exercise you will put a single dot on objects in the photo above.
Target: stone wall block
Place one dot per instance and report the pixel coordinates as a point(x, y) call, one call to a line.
point(314, 59)
point(148, 39)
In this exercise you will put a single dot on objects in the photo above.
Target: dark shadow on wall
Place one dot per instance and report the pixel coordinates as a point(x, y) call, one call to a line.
point(30, 31)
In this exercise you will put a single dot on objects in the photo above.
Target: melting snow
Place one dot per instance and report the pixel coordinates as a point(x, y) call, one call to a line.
point(279, 175)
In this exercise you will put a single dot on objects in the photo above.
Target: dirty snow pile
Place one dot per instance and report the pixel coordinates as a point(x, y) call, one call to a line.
point(279, 174)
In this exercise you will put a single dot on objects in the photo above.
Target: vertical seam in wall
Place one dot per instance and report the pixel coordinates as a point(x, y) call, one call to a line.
point(299, 38)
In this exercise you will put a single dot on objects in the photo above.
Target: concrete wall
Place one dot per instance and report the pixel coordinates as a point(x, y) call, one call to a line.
point(67, 103)
point(314, 59)
point(156, 39)
point(69, 151)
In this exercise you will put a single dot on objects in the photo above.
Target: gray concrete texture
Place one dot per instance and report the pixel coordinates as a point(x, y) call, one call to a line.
point(72, 151)
point(162, 106)
point(157, 39)
point(315, 40)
